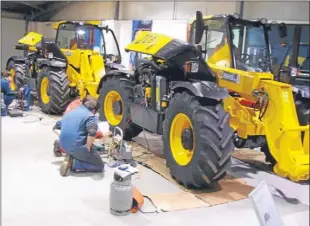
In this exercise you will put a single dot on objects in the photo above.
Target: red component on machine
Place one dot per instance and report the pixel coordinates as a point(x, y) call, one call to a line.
point(247, 103)
point(99, 135)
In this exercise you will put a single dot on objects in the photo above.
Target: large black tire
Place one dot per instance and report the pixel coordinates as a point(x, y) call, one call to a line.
point(58, 91)
point(124, 88)
point(213, 141)
point(18, 74)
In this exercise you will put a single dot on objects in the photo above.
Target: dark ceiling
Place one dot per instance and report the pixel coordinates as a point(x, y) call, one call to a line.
point(33, 10)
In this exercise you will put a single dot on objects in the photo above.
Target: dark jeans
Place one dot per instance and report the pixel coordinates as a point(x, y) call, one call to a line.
point(83, 155)
point(8, 99)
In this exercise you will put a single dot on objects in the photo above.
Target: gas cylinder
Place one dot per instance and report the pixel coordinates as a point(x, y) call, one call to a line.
point(121, 195)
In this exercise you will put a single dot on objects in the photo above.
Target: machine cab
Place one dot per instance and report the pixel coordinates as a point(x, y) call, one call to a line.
point(230, 42)
point(89, 37)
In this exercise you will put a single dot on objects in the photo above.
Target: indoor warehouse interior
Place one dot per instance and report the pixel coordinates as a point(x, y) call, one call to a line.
point(145, 113)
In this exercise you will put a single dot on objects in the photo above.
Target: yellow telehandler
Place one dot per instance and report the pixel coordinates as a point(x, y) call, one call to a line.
point(69, 66)
point(263, 113)
point(172, 93)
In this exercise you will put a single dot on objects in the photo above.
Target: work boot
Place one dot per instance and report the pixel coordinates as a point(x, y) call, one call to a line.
point(66, 166)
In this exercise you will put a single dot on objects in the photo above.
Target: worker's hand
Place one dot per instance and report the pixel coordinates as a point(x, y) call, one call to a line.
point(10, 79)
point(88, 148)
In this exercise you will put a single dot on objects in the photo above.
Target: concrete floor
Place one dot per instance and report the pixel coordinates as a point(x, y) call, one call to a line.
point(33, 192)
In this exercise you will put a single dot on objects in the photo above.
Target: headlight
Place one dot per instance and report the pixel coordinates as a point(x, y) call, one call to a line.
point(50, 55)
point(191, 67)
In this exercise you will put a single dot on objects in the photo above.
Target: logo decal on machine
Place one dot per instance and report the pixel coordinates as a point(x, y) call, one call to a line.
point(285, 96)
point(231, 77)
point(148, 41)
point(68, 53)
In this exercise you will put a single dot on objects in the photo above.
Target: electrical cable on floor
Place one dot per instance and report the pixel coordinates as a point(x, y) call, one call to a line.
point(39, 118)
point(158, 210)
point(282, 195)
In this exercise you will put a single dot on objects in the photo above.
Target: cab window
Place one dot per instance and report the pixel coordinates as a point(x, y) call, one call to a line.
point(303, 60)
point(218, 51)
point(66, 36)
point(214, 38)
point(90, 37)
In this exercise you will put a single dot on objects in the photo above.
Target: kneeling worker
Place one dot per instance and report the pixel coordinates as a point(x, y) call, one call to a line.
point(8, 94)
point(77, 134)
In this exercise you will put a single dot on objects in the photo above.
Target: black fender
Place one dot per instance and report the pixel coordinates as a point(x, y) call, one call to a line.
point(116, 66)
point(16, 60)
point(52, 64)
point(201, 89)
point(110, 74)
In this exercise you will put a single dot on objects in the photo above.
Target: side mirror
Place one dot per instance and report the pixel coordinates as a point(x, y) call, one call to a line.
point(199, 48)
point(106, 28)
point(200, 25)
point(282, 30)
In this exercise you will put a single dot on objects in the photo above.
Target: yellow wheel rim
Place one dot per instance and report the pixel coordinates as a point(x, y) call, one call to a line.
point(181, 155)
point(44, 88)
point(12, 84)
point(111, 98)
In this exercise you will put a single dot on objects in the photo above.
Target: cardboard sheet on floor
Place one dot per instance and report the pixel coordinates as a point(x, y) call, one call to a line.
point(229, 189)
point(177, 201)
point(252, 157)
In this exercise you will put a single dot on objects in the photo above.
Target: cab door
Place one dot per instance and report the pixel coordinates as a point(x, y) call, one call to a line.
point(67, 40)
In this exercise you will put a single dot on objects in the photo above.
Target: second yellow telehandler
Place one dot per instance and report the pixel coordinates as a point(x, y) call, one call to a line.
point(263, 112)
point(71, 65)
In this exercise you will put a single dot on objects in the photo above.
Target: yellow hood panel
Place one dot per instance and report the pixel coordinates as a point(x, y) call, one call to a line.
point(147, 42)
point(31, 39)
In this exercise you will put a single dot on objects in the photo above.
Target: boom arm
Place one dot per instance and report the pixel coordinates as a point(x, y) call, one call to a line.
point(277, 119)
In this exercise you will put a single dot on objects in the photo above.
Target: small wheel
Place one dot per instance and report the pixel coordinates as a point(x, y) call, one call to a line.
point(268, 157)
point(115, 95)
point(197, 141)
point(53, 91)
point(18, 73)
point(238, 142)
point(303, 111)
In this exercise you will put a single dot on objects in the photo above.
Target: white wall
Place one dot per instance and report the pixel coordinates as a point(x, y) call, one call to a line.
point(286, 11)
point(175, 29)
point(44, 28)
point(11, 31)
point(165, 10)
point(168, 17)
point(86, 11)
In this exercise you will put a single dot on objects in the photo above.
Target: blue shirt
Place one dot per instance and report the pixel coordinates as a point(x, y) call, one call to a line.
point(75, 127)
point(5, 86)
